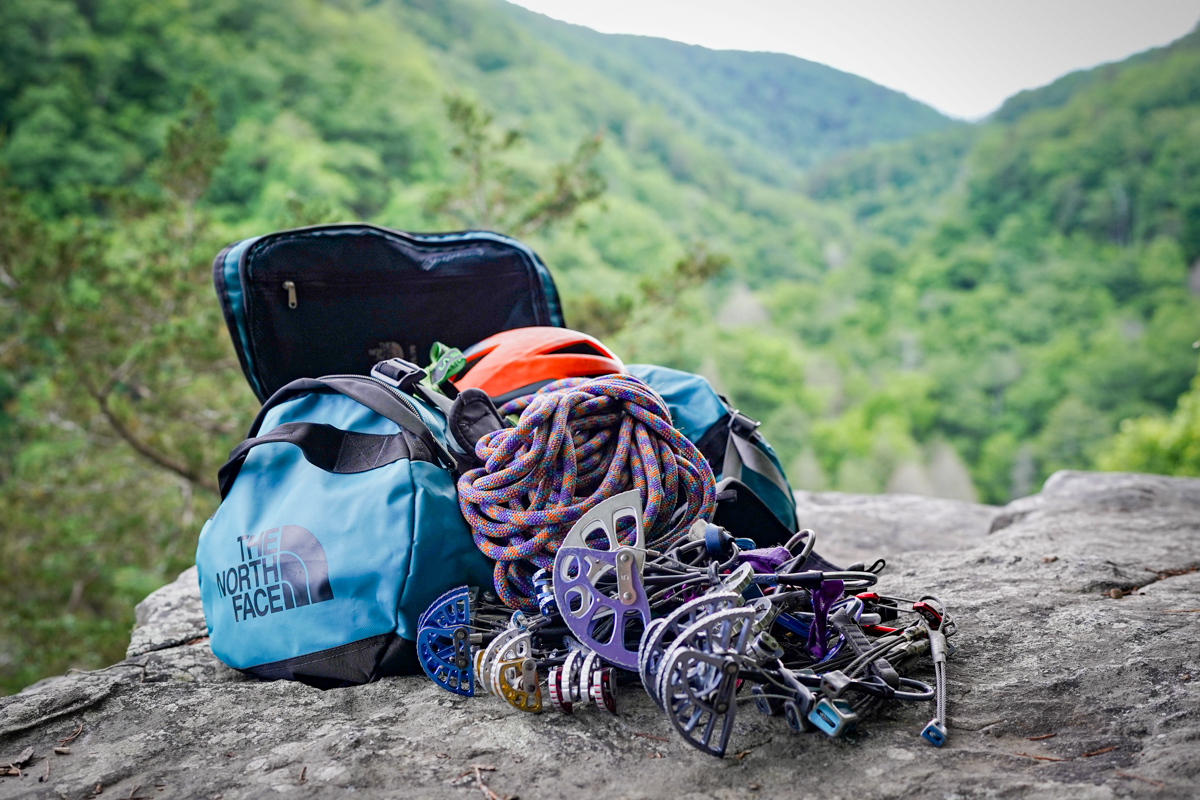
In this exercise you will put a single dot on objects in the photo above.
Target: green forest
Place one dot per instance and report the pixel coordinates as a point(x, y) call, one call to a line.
point(907, 302)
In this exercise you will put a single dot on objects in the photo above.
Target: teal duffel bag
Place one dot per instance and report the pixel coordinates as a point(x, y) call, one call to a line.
point(741, 459)
point(339, 524)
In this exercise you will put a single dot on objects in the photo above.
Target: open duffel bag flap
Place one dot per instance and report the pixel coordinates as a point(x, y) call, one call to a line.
point(339, 525)
point(732, 444)
point(336, 299)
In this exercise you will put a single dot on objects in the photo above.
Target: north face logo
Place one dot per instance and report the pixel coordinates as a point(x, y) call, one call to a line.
point(282, 568)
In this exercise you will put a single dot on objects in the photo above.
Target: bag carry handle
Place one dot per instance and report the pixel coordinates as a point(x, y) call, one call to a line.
point(330, 449)
point(369, 392)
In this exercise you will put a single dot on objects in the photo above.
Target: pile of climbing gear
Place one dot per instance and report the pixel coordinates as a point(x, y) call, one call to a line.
point(605, 524)
point(706, 623)
point(609, 569)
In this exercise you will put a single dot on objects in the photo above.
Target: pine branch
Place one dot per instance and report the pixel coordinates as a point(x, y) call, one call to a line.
point(143, 448)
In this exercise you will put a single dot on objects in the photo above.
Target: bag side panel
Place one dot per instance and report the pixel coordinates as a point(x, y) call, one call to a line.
point(227, 281)
point(444, 554)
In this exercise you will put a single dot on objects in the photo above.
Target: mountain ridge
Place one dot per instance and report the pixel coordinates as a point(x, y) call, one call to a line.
point(730, 84)
point(1059, 91)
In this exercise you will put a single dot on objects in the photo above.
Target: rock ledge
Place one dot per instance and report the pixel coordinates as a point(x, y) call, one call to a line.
point(1077, 675)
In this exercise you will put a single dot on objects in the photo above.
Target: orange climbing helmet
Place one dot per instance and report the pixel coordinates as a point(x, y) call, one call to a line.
point(522, 360)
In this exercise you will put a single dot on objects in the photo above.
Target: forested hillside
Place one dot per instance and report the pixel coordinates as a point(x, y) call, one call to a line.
point(954, 309)
point(1035, 280)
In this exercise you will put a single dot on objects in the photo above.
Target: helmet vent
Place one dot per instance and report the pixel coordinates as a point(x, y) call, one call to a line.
point(578, 349)
point(471, 362)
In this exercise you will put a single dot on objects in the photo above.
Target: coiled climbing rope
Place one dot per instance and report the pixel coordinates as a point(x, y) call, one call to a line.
point(577, 443)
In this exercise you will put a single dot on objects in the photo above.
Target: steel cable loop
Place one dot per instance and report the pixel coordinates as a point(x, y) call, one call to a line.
point(940, 689)
point(578, 442)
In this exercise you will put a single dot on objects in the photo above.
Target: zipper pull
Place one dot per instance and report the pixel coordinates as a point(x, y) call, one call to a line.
point(290, 286)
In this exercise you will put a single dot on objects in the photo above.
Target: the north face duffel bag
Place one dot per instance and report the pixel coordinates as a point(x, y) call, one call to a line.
point(339, 524)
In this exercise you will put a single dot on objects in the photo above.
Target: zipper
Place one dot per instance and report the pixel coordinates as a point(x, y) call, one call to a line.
point(290, 287)
point(399, 394)
point(386, 280)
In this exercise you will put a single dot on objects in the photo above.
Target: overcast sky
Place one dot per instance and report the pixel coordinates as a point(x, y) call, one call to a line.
point(963, 57)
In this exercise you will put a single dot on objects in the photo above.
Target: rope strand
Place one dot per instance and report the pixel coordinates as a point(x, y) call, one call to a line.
point(578, 442)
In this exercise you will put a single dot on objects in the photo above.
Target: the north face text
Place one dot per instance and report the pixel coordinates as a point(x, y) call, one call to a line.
point(281, 568)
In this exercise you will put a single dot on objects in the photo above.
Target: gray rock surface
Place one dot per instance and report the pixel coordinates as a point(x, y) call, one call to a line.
point(1058, 689)
point(858, 527)
point(169, 617)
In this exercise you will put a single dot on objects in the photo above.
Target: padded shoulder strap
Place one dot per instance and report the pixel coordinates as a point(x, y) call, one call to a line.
point(739, 433)
point(740, 451)
point(368, 392)
point(471, 417)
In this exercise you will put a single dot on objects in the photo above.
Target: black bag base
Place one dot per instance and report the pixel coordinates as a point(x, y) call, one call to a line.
point(350, 664)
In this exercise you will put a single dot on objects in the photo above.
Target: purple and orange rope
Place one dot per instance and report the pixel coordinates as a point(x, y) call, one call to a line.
point(577, 443)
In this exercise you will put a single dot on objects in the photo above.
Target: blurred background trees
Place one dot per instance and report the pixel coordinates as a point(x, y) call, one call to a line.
point(121, 401)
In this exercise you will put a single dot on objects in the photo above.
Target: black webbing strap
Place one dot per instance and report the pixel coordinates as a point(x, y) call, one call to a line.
point(330, 449)
point(844, 624)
